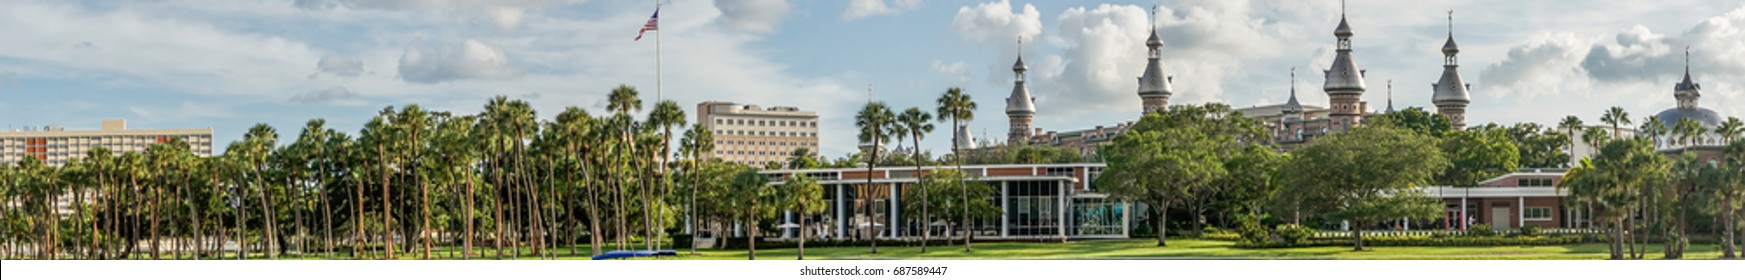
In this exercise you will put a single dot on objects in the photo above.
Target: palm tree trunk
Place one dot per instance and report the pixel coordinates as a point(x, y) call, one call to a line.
point(926, 229)
point(802, 249)
point(467, 244)
point(387, 210)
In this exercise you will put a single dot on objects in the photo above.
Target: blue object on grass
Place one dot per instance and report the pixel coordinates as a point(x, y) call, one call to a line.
point(633, 254)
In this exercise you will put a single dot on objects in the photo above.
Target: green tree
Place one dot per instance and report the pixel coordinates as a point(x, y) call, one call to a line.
point(697, 141)
point(805, 197)
point(1616, 117)
point(754, 198)
point(666, 115)
point(876, 123)
point(1476, 155)
point(918, 124)
point(258, 146)
point(1416, 120)
point(1370, 174)
point(955, 105)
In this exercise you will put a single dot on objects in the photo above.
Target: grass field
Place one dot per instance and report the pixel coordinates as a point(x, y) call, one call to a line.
point(1144, 249)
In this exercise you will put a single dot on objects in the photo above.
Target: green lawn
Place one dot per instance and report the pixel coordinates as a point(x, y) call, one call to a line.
point(1144, 249)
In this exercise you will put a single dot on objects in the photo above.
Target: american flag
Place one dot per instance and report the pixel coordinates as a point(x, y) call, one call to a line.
point(653, 24)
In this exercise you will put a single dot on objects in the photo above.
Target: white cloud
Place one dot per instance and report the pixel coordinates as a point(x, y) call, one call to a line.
point(471, 60)
point(339, 65)
point(180, 53)
point(753, 15)
point(956, 72)
point(507, 18)
point(997, 24)
point(859, 9)
point(334, 95)
point(1634, 68)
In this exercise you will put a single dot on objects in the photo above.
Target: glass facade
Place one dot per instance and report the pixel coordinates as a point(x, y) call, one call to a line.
point(1033, 208)
point(1096, 216)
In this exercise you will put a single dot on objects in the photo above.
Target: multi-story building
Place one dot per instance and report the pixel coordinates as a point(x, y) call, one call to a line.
point(751, 135)
point(55, 145)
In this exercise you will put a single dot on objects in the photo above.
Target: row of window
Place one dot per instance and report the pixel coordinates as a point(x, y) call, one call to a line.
point(765, 133)
point(750, 153)
point(1536, 214)
point(757, 122)
point(1534, 182)
point(762, 143)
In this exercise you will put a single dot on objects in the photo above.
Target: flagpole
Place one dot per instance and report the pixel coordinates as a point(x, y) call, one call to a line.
point(658, 93)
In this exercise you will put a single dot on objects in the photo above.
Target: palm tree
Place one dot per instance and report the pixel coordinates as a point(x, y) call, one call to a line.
point(412, 121)
point(1615, 117)
point(1689, 131)
point(751, 196)
point(1569, 124)
point(805, 197)
point(312, 141)
point(918, 123)
point(1654, 128)
point(697, 141)
point(957, 106)
point(624, 101)
point(1730, 130)
point(875, 122)
point(379, 133)
point(665, 115)
point(258, 146)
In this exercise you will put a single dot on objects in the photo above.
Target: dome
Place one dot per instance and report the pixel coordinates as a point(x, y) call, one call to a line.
point(1707, 118)
point(1153, 42)
point(1020, 65)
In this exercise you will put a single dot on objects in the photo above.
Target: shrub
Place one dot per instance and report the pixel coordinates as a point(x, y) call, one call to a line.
point(1530, 231)
point(1294, 234)
point(1480, 230)
point(1248, 226)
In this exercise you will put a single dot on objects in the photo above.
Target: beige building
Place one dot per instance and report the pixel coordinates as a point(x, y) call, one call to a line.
point(748, 134)
point(55, 145)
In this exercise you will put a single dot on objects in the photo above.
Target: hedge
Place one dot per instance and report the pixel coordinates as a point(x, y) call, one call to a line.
point(1439, 241)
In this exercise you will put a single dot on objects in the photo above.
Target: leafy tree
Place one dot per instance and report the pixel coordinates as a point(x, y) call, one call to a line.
point(1370, 174)
point(1476, 155)
point(1414, 119)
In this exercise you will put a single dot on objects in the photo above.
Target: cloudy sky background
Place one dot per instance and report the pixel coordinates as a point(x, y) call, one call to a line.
point(230, 64)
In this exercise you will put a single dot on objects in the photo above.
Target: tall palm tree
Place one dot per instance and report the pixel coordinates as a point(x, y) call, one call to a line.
point(1616, 116)
point(918, 123)
point(1569, 125)
point(875, 122)
point(258, 147)
point(957, 106)
point(624, 101)
point(313, 142)
point(666, 115)
point(805, 197)
point(412, 121)
point(455, 141)
point(381, 134)
point(697, 141)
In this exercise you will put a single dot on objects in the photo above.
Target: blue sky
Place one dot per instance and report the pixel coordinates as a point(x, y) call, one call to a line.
point(230, 64)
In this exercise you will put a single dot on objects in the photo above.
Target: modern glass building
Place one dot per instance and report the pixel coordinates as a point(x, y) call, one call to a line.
point(1035, 202)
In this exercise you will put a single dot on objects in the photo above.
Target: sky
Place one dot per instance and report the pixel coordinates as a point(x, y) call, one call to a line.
point(231, 64)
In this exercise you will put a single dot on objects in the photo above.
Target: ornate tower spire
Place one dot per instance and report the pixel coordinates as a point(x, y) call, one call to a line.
point(1687, 91)
point(1344, 81)
point(1154, 87)
point(1390, 96)
point(1451, 92)
point(1020, 107)
point(1292, 107)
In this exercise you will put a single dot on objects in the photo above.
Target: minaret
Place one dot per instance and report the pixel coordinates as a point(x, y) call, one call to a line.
point(964, 139)
point(1344, 84)
point(1293, 110)
point(1020, 106)
point(1154, 89)
point(1451, 94)
point(1687, 91)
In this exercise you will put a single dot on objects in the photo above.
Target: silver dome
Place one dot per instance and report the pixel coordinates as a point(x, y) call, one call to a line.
point(1703, 116)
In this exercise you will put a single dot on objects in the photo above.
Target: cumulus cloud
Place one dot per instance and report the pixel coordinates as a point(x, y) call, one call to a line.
point(339, 65)
point(504, 15)
point(471, 60)
point(186, 111)
point(1634, 67)
point(507, 18)
point(334, 95)
point(753, 15)
point(997, 23)
point(859, 9)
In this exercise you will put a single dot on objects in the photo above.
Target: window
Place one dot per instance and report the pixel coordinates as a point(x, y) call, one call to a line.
point(1533, 182)
point(1536, 214)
